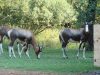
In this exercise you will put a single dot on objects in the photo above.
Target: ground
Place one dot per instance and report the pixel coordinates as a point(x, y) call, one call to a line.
point(19, 72)
point(51, 63)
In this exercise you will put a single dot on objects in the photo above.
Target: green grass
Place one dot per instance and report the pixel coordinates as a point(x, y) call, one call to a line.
point(51, 61)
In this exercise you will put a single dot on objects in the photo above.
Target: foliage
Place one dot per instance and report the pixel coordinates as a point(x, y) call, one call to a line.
point(98, 12)
point(49, 38)
point(90, 16)
point(38, 15)
point(80, 6)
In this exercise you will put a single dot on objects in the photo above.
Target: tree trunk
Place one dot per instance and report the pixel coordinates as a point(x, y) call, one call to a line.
point(90, 16)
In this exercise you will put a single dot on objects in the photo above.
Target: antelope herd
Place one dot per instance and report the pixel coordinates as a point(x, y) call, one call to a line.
point(28, 38)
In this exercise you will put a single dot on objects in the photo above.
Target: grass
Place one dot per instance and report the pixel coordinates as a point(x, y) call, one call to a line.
point(51, 61)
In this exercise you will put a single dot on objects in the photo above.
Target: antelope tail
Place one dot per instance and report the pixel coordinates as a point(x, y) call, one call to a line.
point(61, 37)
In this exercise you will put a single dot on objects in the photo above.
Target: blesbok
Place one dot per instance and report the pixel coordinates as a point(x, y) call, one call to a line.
point(79, 35)
point(22, 35)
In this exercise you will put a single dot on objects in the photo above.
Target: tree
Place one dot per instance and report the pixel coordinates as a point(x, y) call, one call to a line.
point(90, 16)
point(36, 15)
point(80, 8)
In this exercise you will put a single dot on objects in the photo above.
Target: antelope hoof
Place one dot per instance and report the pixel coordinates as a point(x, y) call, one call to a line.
point(77, 57)
point(20, 56)
point(65, 57)
point(84, 57)
point(14, 56)
point(10, 56)
point(28, 57)
point(38, 56)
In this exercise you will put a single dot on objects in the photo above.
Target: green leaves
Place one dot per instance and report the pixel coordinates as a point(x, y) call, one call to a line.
point(39, 14)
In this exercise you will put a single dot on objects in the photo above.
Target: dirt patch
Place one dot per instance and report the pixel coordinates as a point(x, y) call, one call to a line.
point(18, 72)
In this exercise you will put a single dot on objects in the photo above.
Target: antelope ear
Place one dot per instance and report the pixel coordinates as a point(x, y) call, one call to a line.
point(40, 48)
point(86, 23)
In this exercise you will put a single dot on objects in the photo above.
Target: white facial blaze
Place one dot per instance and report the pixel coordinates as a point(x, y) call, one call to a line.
point(87, 28)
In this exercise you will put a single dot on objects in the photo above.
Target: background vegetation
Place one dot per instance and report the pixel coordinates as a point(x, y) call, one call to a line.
point(40, 15)
point(37, 15)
